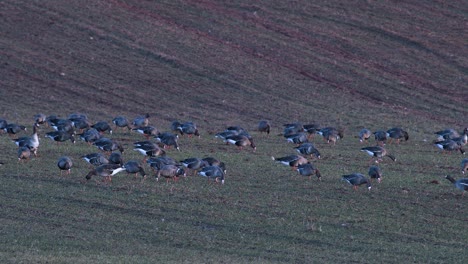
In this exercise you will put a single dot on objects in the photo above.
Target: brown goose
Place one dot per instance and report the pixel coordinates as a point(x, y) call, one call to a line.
point(241, 141)
point(377, 152)
point(364, 135)
point(170, 172)
point(308, 170)
point(24, 153)
point(292, 161)
point(264, 127)
point(106, 171)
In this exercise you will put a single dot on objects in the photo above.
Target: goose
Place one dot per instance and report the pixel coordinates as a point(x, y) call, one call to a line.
point(308, 170)
point(65, 125)
point(194, 164)
point(108, 145)
point(292, 128)
point(397, 134)
point(375, 173)
point(141, 121)
point(102, 127)
point(168, 140)
point(24, 153)
point(90, 136)
point(464, 165)
point(291, 160)
point(81, 124)
point(241, 141)
point(449, 133)
point(32, 142)
point(60, 136)
point(158, 162)
point(298, 138)
point(308, 149)
point(106, 171)
point(188, 128)
point(135, 167)
point(461, 184)
point(122, 122)
point(226, 134)
point(378, 152)
point(311, 129)
point(356, 179)
point(65, 163)
point(13, 129)
point(213, 172)
point(175, 126)
point(449, 145)
point(40, 119)
point(380, 137)
point(147, 131)
point(213, 161)
point(364, 135)
point(331, 134)
point(95, 159)
point(170, 172)
point(150, 150)
point(264, 126)
point(115, 158)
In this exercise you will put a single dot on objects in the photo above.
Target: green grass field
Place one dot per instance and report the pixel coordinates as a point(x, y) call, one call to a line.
point(351, 65)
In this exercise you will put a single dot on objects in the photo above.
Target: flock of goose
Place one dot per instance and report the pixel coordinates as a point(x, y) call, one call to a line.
point(109, 162)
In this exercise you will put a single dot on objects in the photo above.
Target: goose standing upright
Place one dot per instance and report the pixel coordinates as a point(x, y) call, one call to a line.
point(32, 142)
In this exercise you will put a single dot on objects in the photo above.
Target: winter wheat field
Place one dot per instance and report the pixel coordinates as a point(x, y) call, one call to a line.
point(343, 64)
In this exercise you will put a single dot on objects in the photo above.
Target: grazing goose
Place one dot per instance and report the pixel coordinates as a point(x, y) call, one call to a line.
point(60, 136)
point(65, 164)
point(32, 142)
point(149, 149)
point(194, 164)
point(298, 138)
point(308, 170)
point(115, 158)
point(380, 137)
point(65, 125)
point(141, 121)
point(462, 140)
point(13, 129)
point(158, 162)
point(356, 179)
point(81, 124)
point(95, 159)
point(189, 129)
point(449, 145)
point(461, 184)
point(168, 140)
point(213, 172)
point(24, 153)
point(106, 171)
point(147, 131)
point(226, 134)
point(311, 129)
point(135, 167)
point(292, 160)
point(264, 126)
point(40, 119)
point(464, 165)
point(364, 135)
point(331, 134)
point(449, 134)
point(90, 136)
point(108, 145)
point(241, 141)
point(397, 134)
point(292, 128)
point(214, 161)
point(122, 122)
point(308, 149)
point(175, 126)
point(102, 127)
point(170, 172)
point(375, 173)
point(378, 152)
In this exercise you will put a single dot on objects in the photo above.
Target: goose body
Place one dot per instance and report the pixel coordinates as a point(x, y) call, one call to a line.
point(102, 127)
point(311, 128)
point(213, 172)
point(13, 129)
point(298, 138)
point(241, 141)
point(147, 131)
point(380, 137)
point(291, 160)
point(90, 135)
point(264, 126)
point(141, 121)
point(95, 159)
point(375, 173)
point(170, 172)
point(108, 145)
point(158, 162)
point(461, 184)
point(39, 119)
point(65, 163)
point(377, 152)
point(149, 149)
point(331, 134)
point(188, 128)
point(134, 167)
point(357, 179)
point(397, 134)
point(194, 164)
point(116, 158)
point(121, 121)
point(308, 149)
point(449, 145)
point(308, 170)
point(32, 142)
point(364, 135)
point(24, 153)
point(168, 140)
point(60, 136)
point(106, 171)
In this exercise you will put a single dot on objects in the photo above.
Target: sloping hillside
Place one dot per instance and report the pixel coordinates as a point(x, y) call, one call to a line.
point(237, 62)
